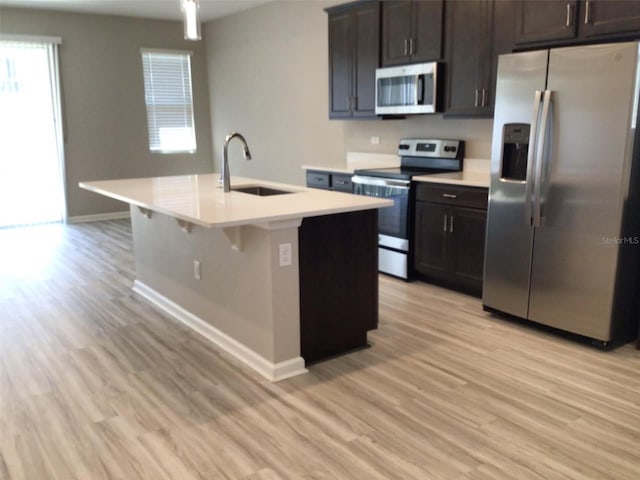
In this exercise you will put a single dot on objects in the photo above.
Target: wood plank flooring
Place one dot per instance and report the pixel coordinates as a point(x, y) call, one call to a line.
point(97, 384)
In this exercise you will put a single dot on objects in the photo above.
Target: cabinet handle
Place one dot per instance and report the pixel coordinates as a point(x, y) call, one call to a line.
point(451, 225)
point(411, 46)
point(484, 98)
point(354, 107)
point(476, 102)
point(444, 229)
point(449, 195)
point(406, 47)
point(569, 19)
point(587, 12)
point(341, 182)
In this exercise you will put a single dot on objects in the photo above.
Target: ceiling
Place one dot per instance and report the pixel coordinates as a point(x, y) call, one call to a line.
point(160, 9)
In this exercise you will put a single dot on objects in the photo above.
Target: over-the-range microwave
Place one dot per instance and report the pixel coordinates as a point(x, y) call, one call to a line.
point(407, 89)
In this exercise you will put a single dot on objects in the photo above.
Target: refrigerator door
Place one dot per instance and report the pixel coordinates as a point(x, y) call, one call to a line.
point(509, 235)
point(585, 180)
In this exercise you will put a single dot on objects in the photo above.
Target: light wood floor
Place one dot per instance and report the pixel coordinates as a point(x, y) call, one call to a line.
point(97, 384)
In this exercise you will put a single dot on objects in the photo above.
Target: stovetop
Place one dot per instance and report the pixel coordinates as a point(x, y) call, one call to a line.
point(399, 173)
point(421, 157)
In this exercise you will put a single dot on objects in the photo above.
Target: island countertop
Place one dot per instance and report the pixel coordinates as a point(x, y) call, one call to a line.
point(200, 200)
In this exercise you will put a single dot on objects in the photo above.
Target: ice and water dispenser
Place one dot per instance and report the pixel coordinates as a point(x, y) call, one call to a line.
point(515, 150)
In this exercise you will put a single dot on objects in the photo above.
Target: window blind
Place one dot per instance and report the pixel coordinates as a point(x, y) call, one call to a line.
point(169, 102)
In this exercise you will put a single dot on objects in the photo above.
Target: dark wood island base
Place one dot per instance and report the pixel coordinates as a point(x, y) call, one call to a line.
point(338, 257)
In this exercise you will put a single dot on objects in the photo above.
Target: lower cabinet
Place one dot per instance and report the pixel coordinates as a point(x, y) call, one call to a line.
point(340, 182)
point(338, 297)
point(450, 225)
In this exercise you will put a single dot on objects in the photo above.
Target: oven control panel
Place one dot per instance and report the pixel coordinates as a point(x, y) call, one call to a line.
point(417, 147)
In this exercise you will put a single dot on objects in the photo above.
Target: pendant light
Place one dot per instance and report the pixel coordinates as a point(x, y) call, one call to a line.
point(191, 15)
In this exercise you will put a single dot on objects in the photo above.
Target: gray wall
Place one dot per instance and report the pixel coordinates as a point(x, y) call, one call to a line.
point(264, 73)
point(103, 98)
point(268, 78)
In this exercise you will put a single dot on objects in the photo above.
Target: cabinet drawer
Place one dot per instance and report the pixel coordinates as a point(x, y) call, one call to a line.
point(342, 183)
point(473, 197)
point(318, 179)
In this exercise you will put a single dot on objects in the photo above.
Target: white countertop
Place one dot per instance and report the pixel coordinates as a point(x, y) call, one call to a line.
point(360, 160)
point(200, 200)
point(470, 179)
point(476, 173)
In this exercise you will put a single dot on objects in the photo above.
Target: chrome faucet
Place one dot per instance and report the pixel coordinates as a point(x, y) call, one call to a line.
point(224, 174)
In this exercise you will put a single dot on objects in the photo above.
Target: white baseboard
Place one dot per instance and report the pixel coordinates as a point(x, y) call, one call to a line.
point(99, 217)
point(272, 371)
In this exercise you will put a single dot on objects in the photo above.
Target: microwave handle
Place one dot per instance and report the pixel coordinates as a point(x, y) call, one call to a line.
point(419, 89)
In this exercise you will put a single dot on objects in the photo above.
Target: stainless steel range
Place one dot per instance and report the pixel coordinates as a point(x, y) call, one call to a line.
point(395, 224)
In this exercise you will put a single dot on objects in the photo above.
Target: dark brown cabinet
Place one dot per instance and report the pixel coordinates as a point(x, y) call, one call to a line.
point(610, 18)
point(547, 23)
point(476, 34)
point(545, 20)
point(340, 182)
point(354, 55)
point(338, 297)
point(411, 31)
point(450, 225)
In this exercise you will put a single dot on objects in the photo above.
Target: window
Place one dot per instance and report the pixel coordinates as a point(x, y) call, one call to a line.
point(167, 93)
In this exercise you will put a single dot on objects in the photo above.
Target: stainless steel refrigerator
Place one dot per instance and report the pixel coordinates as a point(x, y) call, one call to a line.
point(562, 231)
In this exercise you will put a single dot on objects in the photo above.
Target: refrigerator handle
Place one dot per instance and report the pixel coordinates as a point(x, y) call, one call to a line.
point(533, 136)
point(540, 151)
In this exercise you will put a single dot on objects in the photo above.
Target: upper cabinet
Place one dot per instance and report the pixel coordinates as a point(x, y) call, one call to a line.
point(468, 34)
point(354, 55)
point(553, 22)
point(545, 20)
point(411, 31)
point(609, 18)
point(474, 40)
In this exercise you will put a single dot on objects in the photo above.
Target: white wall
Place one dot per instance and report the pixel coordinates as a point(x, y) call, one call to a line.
point(268, 79)
point(103, 107)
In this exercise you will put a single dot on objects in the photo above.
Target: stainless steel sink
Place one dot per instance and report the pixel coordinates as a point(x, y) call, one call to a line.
point(259, 190)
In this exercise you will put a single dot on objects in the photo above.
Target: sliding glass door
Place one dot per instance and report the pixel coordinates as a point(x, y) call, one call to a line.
point(31, 153)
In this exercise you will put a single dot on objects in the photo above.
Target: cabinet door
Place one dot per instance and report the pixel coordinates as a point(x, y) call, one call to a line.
point(467, 227)
point(500, 13)
point(367, 59)
point(545, 20)
point(396, 31)
point(317, 179)
point(342, 182)
point(609, 18)
point(431, 237)
point(340, 65)
point(426, 41)
point(464, 46)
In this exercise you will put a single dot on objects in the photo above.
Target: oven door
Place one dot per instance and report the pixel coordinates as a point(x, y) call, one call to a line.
point(392, 221)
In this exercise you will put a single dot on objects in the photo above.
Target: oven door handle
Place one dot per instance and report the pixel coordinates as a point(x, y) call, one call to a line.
point(380, 182)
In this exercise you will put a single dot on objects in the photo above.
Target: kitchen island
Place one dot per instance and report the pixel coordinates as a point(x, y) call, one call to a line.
point(278, 281)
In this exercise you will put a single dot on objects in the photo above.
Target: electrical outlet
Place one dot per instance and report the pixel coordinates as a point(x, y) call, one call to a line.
point(285, 254)
point(197, 273)
point(375, 140)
